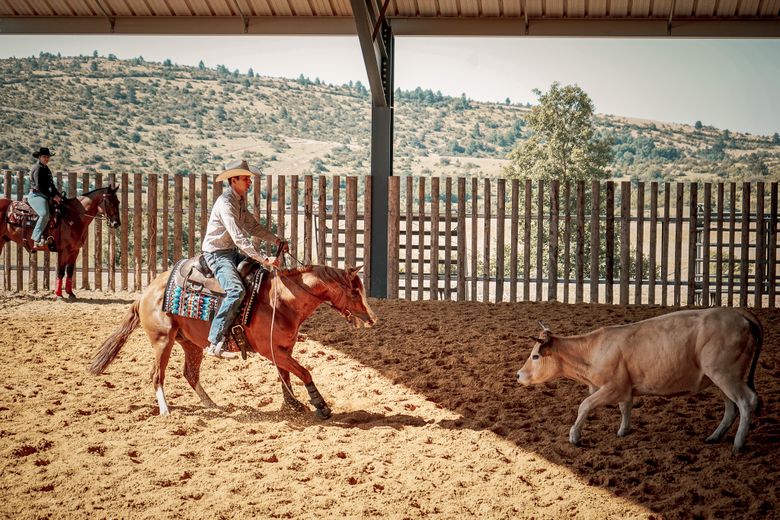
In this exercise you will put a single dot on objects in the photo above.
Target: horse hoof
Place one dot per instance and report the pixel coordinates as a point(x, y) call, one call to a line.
point(323, 413)
point(71, 296)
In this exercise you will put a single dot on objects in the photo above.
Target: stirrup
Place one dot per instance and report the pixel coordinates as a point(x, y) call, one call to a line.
point(237, 331)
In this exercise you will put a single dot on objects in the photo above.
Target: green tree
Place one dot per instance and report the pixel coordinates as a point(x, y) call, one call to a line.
point(563, 143)
point(698, 125)
point(776, 138)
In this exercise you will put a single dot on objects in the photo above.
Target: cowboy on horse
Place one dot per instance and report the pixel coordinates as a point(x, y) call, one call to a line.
point(42, 190)
point(227, 241)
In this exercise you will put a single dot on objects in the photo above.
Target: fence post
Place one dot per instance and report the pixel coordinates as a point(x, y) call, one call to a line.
point(448, 239)
point(166, 215)
point(653, 238)
point(640, 237)
point(609, 237)
point(625, 240)
point(513, 238)
point(336, 215)
point(138, 190)
point(7, 259)
point(409, 220)
point(178, 195)
point(112, 245)
point(760, 248)
point(705, 256)
point(394, 233)
point(123, 243)
point(678, 227)
point(421, 238)
point(461, 239)
point(772, 249)
point(539, 239)
point(434, 287)
point(745, 242)
point(151, 228)
point(552, 283)
point(308, 216)
point(294, 216)
point(19, 249)
point(85, 248)
point(500, 223)
point(98, 256)
point(367, 229)
point(527, 241)
point(579, 291)
point(190, 215)
point(322, 226)
point(350, 223)
point(692, 226)
point(486, 248)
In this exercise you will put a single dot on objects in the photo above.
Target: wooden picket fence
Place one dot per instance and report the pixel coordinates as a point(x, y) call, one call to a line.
point(454, 238)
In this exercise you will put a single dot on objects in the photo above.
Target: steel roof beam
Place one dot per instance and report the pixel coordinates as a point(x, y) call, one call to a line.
point(372, 53)
point(180, 25)
point(767, 27)
point(580, 27)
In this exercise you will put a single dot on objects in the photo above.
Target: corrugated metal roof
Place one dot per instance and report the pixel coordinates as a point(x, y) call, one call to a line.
point(400, 8)
point(414, 16)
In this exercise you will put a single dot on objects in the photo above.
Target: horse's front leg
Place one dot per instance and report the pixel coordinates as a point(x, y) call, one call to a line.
point(60, 276)
point(282, 358)
point(287, 392)
point(69, 267)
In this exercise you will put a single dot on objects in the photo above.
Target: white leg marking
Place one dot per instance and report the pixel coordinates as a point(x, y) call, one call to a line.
point(161, 401)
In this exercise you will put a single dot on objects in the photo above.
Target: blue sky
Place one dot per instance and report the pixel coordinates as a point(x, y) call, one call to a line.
point(732, 84)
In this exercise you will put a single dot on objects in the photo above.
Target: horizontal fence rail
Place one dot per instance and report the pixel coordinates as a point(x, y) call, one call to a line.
point(453, 238)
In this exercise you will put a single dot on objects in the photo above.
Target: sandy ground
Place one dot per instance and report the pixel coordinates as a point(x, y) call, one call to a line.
point(428, 422)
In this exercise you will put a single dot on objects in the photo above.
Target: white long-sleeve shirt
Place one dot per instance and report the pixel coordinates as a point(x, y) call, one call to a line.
point(231, 225)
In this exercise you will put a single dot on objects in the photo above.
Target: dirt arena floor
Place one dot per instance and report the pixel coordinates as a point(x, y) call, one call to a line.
point(428, 422)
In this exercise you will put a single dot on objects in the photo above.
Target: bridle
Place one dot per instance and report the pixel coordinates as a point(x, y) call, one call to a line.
point(334, 305)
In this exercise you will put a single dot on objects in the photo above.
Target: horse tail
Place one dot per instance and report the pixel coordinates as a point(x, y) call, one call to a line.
point(111, 347)
point(757, 331)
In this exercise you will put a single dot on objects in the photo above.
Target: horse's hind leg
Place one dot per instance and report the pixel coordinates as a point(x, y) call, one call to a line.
point(163, 344)
point(193, 357)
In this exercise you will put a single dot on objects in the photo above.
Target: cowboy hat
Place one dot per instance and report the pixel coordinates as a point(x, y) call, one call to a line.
point(42, 151)
point(236, 168)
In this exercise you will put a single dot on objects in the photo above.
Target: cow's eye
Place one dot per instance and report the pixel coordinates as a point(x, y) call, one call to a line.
point(535, 357)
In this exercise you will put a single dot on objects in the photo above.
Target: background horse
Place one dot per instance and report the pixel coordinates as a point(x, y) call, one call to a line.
point(294, 294)
point(75, 216)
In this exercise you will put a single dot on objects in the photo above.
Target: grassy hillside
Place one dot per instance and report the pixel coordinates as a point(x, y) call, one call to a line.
point(109, 115)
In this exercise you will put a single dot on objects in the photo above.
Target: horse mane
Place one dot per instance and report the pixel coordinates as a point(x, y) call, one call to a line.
point(325, 272)
point(93, 191)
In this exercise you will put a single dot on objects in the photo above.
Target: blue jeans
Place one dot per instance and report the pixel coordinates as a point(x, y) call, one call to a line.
point(40, 203)
point(223, 265)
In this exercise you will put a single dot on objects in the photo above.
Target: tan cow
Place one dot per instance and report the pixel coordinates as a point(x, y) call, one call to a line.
point(678, 353)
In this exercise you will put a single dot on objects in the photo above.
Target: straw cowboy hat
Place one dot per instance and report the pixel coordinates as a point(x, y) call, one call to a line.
point(236, 168)
point(42, 151)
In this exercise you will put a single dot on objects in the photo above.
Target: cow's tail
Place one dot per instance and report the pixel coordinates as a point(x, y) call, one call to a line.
point(111, 347)
point(757, 331)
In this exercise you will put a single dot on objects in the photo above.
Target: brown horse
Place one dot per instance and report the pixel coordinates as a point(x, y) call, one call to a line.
point(286, 298)
point(76, 215)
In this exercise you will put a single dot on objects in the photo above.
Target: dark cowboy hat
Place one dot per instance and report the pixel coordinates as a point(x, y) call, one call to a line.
point(42, 151)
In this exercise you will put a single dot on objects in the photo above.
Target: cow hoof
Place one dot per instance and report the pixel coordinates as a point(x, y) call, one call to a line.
point(323, 413)
point(623, 433)
point(712, 440)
